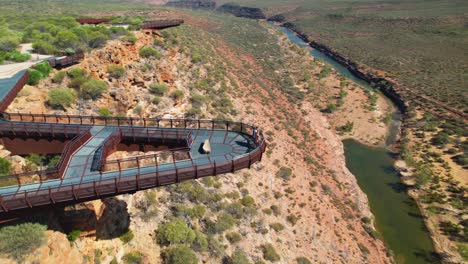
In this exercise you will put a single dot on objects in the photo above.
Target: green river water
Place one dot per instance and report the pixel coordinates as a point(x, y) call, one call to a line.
point(397, 217)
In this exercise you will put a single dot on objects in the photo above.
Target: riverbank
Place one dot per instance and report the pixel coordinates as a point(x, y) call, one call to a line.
point(349, 112)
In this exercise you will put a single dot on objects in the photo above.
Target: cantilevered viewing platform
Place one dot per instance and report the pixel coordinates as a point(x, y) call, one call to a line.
point(174, 150)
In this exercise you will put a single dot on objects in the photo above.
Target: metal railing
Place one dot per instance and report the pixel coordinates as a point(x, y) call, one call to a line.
point(14, 91)
point(49, 173)
point(140, 175)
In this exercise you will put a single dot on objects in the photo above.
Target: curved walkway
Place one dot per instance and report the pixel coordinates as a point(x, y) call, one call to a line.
point(83, 172)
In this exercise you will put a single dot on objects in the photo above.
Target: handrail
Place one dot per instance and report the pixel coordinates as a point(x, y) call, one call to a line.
point(61, 165)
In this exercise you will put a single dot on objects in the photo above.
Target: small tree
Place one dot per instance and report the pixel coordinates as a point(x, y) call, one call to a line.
point(116, 71)
point(134, 257)
point(238, 257)
point(174, 232)
point(269, 253)
point(93, 89)
point(150, 52)
point(5, 167)
point(159, 88)
point(104, 111)
point(34, 77)
point(177, 94)
point(19, 240)
point(58, 77)
point(61, 98)
point(44, 67)
point(180, 255)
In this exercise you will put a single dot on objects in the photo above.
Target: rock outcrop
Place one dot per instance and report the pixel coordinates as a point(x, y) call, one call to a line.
point(242, 11)
point(194, 4)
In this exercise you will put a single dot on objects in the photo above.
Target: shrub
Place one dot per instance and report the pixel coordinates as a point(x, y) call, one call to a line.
point(180, 255)
point(43, 47)
point(248, 201)
point(174, 232)
point(233, 237)
point(19, 240)
point(5, 167)
point(269, 253)
point(58, 77)
point(93, 89)
point(77, 73)
point(303, 260)
point(34, 77)
point(116, 71)
point(238, 257)
point(200, 243)
point(104, 111)
point(16, 56)
point(127, 236)
point(292, 219)
point(215, 247)
point(284, 173)
point(224, 222)
point(43, 67)
point(9, 43)
point(77, 82)
point(197, 100)
point(130, 38)
point(159, 88)
point(177, 94)
point(61, 98)
point(96, 40)
point(73, 235)
point(149, 52)
point(156, 100)
point(134, 257)
point(277, 227)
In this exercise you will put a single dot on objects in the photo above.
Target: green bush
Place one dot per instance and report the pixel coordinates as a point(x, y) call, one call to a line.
point(116, 71)
point(225, 221)
point(96, 40)
point(5, 167)
point(61, 98)
point(177, 94)
point(58, 77)
point(269, 253)
point(43, 47)
point(73, 235)
point(34, 77)
point(277, 226)
point(156, 100)
point(174, 232)
point(150, 52)
point(104, 111)
point(9, 43)
point(44, 67)
point(233, 237)
point(77, 73)
point(200, 243)
point(19, 240)
point(159, 88)
point(127, 236)
point(303, 260)
point(134, 257)
point(130, 38)
point(284, 173)
point(238, 257)
point(16, 56)
point(180, 254)
point(248, 201)
point(93, 89)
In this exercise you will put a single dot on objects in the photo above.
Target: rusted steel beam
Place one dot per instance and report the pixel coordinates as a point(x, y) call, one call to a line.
point(162, 24)
point(92, 21)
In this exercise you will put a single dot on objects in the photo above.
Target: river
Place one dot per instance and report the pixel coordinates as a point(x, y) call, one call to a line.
point(397, 217)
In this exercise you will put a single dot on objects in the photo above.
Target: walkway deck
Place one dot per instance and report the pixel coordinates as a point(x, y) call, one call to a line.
point(84, 173)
